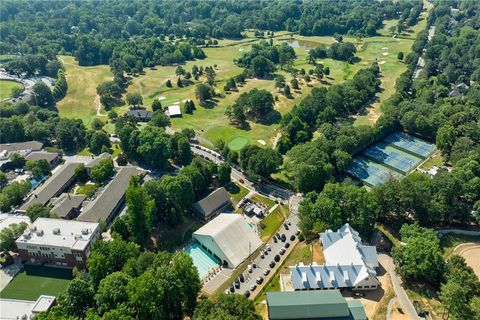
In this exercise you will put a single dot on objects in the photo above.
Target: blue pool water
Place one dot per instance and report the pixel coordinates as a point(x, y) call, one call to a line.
point(201, 259)
point(34, 183)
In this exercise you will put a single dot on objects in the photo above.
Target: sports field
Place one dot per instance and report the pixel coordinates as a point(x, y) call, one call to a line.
point(34, 281)
point(6, 87)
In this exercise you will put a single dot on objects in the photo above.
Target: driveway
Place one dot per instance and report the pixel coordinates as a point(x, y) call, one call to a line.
point(8, 273)
point(387, 262)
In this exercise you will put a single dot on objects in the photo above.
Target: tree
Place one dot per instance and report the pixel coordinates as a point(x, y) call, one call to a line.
point(189, 107)
point(112, 291)
point(294, 84)
point(3, 180)
point(70, 134)
point(153, 146)
point(400, 56)
point(232, 306)
point(261, 66)
point(77, 299)
point(134, 99)
point(139, 212)
point(37, 210)
point(102, 171)
point(40, 168)
point(184, 152)
point(156, 105)
point(224, 172)
point(42, 95)
point(203, 92)
point(81, 173)
point(286, 91)
point(279, 81)
point(10, 234)
point(13, 194)
point(421, 258)
point(17, 160)
point(168, 83)
point(98, 140)
point(97, 124)
point(255, 103)
point(159, 119)
point(260, 161)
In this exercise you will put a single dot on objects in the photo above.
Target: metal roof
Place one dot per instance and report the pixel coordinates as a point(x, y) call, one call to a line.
point(310, 305)
point(104, 204)
point(19, 146)
point(64, 204)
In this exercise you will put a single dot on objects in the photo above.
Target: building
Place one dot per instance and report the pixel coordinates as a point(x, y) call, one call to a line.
point(58, 242)
point(348, 264)
point(51, 157)
point(228, 238)
point(140, 115)
point(96, 160)
point(7, 219)
point(316, 305)
point(109, 202)
point(67, 205)
point(12, 309)
point(216, 202)
point(21, 146)
point(174, 111)
point(62, 179)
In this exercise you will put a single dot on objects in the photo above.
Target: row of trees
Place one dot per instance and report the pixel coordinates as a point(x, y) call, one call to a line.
point(344, 51)
point(34, 65)
point(255, 105)
point(60, 89)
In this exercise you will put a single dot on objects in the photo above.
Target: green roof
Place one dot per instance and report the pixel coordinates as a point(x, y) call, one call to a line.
point(313, 305)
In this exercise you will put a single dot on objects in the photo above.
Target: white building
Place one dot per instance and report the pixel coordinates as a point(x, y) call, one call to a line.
point(12, 309)
point(348, 264)
point(58, 242)
point(174, 111)
point(7, 219)
point(228, 238)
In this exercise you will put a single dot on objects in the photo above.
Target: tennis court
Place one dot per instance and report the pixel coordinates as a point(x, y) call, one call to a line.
point(410, 144)
point(392, 158)
point(371, 173)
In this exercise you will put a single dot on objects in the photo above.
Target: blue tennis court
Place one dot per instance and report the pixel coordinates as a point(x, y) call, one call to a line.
point(371, 173)
point(201, 259)
point(392, 157)
point(411, 144)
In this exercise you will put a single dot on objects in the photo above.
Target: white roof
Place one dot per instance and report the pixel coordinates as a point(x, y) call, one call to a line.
point(17, 309)
point(174, 110)
point(7, 219)
point(229, 237)
point(60, 233)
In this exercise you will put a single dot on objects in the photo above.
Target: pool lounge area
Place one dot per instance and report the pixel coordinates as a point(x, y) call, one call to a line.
point(202, 259)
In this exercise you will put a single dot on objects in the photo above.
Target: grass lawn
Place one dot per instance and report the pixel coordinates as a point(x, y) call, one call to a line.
point(237, 143)
point(434, 160)
point(81, 100)
point(6, 87)
point(268, 202)
point(87, 189)
point(272, 222)
point(236, 191)
point(34, 281)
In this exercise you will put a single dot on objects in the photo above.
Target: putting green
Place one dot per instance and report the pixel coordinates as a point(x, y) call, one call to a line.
point(237, 143)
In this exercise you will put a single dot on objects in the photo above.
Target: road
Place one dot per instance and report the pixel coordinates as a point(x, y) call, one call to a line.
point(387, 262)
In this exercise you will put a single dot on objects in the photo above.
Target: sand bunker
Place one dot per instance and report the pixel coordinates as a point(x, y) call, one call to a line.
point(384, 48)
point(241, 49)
point(162, 98)
point(262, 142)
point(176, 102)
point(185, 100)
point(385, 53)
point(382, 62)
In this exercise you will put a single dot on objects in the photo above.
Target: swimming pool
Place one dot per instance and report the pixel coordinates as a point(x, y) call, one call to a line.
point(201, 259)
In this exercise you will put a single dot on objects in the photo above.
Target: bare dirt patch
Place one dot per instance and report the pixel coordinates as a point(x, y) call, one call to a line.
point(471, 254)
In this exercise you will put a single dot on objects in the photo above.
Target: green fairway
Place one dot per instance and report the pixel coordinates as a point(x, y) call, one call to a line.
point(82, 100)
point(6, 87)
point(35, 281)
point(237, 143)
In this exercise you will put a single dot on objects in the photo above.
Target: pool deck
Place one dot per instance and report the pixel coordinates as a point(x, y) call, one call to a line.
point(212, 285)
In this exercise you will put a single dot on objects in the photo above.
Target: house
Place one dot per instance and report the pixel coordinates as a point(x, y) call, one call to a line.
point(51, 157)
point(213, 204)
point(58, 242)
point(348, 264)
point(109, 202)
point(13, 309)
point(140, 115)
point(67, 205)
point(62, 179)
point(21, 146)
point(297, 305)
point(228, 238)
point(459, 90)
point(174, 111)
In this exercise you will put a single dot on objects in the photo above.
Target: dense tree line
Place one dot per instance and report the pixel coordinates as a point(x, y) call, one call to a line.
point(34, 65)
point(344, 51)
point(126, 283)
point(255, 105)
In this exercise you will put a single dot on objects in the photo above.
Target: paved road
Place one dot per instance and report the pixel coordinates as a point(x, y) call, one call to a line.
point(387, 262)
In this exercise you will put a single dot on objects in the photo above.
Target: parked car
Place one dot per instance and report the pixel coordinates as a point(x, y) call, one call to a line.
point(289, 223)
point(259, 280)
point(284, 237)
point(277, 235)
point(232, 289)
point(253, 287)
point(269, 248)
point(285, 225)
point(292, 237)
point(287, 245)
point(241, 278)
point(250, 268)
point(261, 255)
point(266, 271)
point(272, 264)
point(282, 251)
point(237, 284)
point(275, 239)
point(276, 258)
point(246, 293)
point(265, 252)
point(297, 232)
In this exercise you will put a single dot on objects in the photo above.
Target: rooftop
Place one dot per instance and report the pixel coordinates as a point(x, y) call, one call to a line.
point(52, 186)
point(104, 204)
point(7, 219)
point(139, 113)
point(65, 203)
point(42, 155)
point(19, 146)
point(174, 110)
point(60, 233)
point(17, 309)
point(212, 202)
point(96, 160)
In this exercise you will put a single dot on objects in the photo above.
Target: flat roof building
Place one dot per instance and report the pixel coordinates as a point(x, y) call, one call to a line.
point(67, 205)
point(140, 115)
point(104, 207)
point(51, 157)
point(58, 242)
point(21, 146)
point(313, 305)
point(228, 238)
point(213, 204)
point(174, 111)
point(7, 219)
point(53, 187)
point(13, 309)
point(348, 264)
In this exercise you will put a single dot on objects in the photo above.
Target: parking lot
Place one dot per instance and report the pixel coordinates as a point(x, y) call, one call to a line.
point(252, 278)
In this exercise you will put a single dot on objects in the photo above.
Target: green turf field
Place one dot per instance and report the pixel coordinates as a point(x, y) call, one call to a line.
point(35, 281)
point(237, 143)
point(6, 87)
